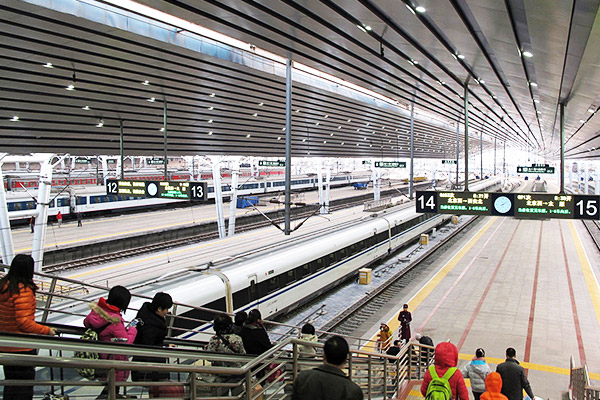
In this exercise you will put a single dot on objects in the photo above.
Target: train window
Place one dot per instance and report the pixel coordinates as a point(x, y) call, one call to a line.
point(273, 284)
point(290, 277)
point(302, 271)
point(319, 263)
point(240, 298)
point(51, 204)
point(81, 200)
point(343, 253)
point(362, 245)
point(331, 259)
point(352, 248)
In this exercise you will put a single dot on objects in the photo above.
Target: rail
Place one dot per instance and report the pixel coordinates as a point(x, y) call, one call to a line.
point(269, 376)
point(579, 384)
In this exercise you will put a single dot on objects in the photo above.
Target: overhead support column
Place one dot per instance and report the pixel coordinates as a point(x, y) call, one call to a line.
point(466, 188)
point(41, 218)
point(495, 156)
point(165, 141)
point(481, 150)
point(288, 144)
point(8, 249)
point(562, 148)
point(587, 178)
point(216, 168)
point(320, 191)
point(327, 189)
point(121, 149)
point(412, 150)
point(457, 150)
point(234, 189)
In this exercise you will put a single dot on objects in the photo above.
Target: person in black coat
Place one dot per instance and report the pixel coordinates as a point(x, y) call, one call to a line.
point(255, 336)
point(152, 330)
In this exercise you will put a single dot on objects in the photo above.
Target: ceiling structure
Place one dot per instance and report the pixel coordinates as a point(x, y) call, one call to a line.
point(519, 59)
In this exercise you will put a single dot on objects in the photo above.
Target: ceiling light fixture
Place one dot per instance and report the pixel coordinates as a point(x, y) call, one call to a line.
point(162, 129)
point(248, 135)
point(211, 108)
point(361, 28)
point(326, 116)
point(151, 99)
point(48, 65)
point(533, 84)
point(210, 132)
point(317, 124)
point(210, 121)
point(15, 118)
point(342, 143)
point(70, 87)
point(367, 27)
point(410, 9)
point(461, 56)
point(420, 9)
point(283, 129)
point(527, 54)
point(324, 141)
point(536, 101)
point(331, 134)
point(591, 110)
point(212, 95)
point(349, 120)
point(582, 121)
point(303, 140)
point(255, 115)
point(340, 127)
point(278, 137)
point(86, 108)
point(100, 124)
point(261, 104)
point(146, 83)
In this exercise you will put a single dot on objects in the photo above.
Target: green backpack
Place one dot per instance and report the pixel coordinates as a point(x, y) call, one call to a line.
point(90, 335)
point(439, 388)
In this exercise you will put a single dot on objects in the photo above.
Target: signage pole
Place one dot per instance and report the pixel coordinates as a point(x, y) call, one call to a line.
point(466, 187)
point(121, 149)
point(165, 136)
point(288, 143)
point(562, 148)
point(412, 149)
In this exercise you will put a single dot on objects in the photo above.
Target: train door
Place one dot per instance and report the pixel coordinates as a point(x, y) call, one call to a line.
point(253, 290)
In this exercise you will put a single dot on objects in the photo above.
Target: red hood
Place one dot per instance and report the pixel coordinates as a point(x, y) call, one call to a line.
point(446, 355)
point(108, 307)
point(493, 382)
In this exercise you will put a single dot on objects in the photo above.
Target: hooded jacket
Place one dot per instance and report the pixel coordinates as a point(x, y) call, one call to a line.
point(513, 379)
point(325, 382)
point(17, 315)
point(150, 332)
point(477, 370)
point(307, 351)
point(101, 314)
point(256, 340)
point(446, 356)
point(493, 384)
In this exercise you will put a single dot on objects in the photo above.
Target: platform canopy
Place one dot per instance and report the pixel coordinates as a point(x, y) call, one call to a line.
point(522, 59)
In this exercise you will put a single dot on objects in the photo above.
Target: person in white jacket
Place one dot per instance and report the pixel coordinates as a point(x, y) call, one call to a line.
point(308, 334)
point(477, 370)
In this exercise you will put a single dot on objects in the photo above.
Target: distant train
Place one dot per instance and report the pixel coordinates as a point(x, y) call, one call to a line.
point(30, 180)
point(91, 200)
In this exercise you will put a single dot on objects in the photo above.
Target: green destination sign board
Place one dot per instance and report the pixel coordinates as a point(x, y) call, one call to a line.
point(448, 161)
point(536, 169)
point(521, 205)
point(155, 161)
point(390, 164)
point(157, 189)
point(267, 163)
point(81, 160)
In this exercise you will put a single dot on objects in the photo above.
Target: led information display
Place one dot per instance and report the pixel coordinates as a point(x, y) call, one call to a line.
point(536, 169)
point(390, 164)
point(155, 161)
point(448, 161)
point(158, 189)
point(521, 205)
point(267, 163)
point(81, 160)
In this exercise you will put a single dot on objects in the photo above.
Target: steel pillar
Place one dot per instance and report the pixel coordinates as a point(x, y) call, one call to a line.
point(232, 205)
point(43, 199)
point(412, 150)
point(466, 188)
point(288, 144)
point(562, 148)
point(121, 149)
point(218, 197)
point(8, 249)
point(165, 142)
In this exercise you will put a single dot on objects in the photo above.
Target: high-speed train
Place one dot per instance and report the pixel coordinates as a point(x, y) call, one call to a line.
point(284, 277)
point(95, 199)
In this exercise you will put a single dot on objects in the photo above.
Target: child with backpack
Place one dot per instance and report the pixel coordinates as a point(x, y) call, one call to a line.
point(443, 381)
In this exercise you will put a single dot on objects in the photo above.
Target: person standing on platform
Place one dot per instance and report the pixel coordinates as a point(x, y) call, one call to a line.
point(383, 338)
point(59, 218)
point(493, 386)
point(328, 381)
point(514, 380)
point(394, 350)
point(255, 336)
point(405, 317)
point(151, 331)
point(79, 224)
point(446, 358)
point(426, 341)
point(17, 315)
point(238, 321)
point(32, 223)
point(477, 370)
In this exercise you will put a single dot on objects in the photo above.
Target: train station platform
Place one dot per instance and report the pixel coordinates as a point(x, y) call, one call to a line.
point(527, 284)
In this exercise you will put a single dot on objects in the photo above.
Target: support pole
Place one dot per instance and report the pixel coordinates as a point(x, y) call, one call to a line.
point(457, 150)
point(320, 183)
point(495, 140)
point(8, 249)
point(412, 150)
point(481, 151)
point(165, 141)
point(467, 135)
point(597, 182)
point(587, 179)
point(218, 197)
point(121, 149)
point(288, 144)
point(234, 189)
point(562, 148)
point(39, 232)
point(327, 189)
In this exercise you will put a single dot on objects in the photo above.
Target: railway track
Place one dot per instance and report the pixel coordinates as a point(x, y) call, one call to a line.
point(593, 227)
point(360, 312)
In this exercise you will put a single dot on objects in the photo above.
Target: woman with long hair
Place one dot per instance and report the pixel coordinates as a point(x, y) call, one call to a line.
point(17, 315)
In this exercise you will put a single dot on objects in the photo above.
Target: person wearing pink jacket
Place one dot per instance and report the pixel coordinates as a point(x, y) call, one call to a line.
point(106, 319)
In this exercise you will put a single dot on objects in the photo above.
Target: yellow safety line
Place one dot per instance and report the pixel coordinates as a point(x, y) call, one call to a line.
point(170, 254)
point(588, 273)
point(434, 281)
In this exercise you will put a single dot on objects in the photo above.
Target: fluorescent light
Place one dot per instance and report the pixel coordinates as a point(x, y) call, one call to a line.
point(278, 137)
point(255, 115)
point(210, 132)
point(462, 57)
point(591, 110)
point(70, 87)
point(361, 28)
point(211, 108)
point(582, 121)
point(420, 9)
point(367, 27)
point(283, 129)
point(331, 134)
point(151, 100)
point(303, 140)
point(248, 135)
point(342, 143)
point(298, 110)
point(326, 116)
point(15, 118)
point(527, 54)
point(210, 121)
point(536, 101)
point(533, 84)
point(410, 9)
point(86, 108)
point(162, 129)
point(100, 124)
point(324, 141)
point(261, 104)
point(212, 95)
point(482, 81)
point(317, 124)
point(349, 120)
point(146, 83)
point(340, 127)
point(494, 97)
point(48, 65)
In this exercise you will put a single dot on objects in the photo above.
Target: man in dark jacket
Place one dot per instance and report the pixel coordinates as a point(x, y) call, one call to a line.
point(152, 330)
point(513, 377)
point(328, 381)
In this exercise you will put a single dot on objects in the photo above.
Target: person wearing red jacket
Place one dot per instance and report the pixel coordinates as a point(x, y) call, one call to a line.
point(493, 387)
point(17, 315)
point(446, 356)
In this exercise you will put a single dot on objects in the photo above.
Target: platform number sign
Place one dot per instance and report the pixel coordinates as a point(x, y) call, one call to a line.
point(426, 202)
point(198, 191)
point(586, 207)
